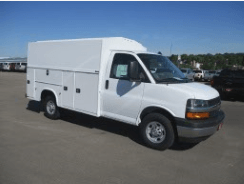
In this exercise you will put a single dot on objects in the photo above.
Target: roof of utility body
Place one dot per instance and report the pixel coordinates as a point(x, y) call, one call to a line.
point(111, 43)
point(81, 39)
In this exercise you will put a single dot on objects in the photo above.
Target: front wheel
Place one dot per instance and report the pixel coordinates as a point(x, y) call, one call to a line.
point(51, 108)
point(157, 131)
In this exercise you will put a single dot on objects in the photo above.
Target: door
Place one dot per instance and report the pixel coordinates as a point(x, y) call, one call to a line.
point(30, 80)
point(68, 89)
point(86, 92)
point(121, 97)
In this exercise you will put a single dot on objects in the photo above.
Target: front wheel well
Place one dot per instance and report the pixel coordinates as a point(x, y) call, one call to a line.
point(162, 111)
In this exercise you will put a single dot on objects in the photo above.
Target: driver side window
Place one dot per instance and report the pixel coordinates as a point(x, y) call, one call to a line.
point(120, 67)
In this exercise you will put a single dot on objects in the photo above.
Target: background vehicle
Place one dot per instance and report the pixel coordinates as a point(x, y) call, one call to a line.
point(209, 75)
point(200, 74)
point(206, 75)
point(1, 66)
point(12, 66)
point(229, 83)
point(217, 73)
point(188, 73)
point(118, 79)
point(6, 66)
point(20, 66)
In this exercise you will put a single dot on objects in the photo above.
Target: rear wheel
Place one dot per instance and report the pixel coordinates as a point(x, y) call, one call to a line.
point(51, 108)
point(157, 131)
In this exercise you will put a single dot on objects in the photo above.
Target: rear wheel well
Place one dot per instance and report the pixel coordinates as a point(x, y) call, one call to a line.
point(46, 93)
point(164, 112)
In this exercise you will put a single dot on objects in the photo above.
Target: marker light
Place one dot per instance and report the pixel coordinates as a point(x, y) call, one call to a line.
point(197, 115)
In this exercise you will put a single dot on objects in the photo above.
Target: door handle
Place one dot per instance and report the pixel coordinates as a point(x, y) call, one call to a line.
point(77, 90)
point(106, 84)
point(65, 88)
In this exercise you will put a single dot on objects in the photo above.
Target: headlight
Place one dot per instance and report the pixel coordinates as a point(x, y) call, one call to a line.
point(195, 109)
point(194, 103)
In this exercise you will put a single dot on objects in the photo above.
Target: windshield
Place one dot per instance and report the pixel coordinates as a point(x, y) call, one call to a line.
point(184, 71)
point(161, 68)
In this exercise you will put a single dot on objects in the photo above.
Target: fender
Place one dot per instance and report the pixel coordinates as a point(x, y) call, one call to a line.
point(51, 90)
point(138, 119)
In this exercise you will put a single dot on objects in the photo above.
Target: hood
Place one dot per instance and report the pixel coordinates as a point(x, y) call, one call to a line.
point(199, 91)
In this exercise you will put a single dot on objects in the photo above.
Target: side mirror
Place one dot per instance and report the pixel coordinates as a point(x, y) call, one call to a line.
point(134, 71)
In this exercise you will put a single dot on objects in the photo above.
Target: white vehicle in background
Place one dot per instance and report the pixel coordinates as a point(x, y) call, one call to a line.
point(188, 73)
point(208, 76)
point(20, 66)
point(118, 79)
point(6, 66)
point(217, 73)
point(200, 74)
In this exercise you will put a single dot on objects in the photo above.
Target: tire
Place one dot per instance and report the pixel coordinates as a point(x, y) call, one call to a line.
point(51, 108)
point(164, 133)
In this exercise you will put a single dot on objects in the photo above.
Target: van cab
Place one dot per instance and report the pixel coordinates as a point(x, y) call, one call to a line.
point(118, 78)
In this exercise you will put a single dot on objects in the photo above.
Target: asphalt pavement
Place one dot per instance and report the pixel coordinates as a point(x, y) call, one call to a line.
point(83, 149)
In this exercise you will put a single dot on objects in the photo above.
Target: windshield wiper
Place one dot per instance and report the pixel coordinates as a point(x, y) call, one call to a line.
point(173, 80)
point(169, 79)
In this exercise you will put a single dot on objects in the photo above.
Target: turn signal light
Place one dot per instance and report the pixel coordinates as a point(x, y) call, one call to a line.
point(197, 115)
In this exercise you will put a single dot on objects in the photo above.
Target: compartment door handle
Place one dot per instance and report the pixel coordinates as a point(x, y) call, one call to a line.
point(106, 84)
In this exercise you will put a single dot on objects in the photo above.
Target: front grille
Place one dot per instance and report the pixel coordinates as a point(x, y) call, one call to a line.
point(214, 102)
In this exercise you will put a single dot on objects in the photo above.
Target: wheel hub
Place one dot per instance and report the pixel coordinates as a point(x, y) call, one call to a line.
point(155, 132)
point(51, 107)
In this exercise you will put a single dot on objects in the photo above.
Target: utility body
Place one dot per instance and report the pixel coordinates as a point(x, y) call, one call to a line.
point(117, 78)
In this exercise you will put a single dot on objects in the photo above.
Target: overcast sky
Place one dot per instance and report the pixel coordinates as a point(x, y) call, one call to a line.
point(186, 27)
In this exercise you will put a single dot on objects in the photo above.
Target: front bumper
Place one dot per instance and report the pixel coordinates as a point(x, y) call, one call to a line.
point(198, 130)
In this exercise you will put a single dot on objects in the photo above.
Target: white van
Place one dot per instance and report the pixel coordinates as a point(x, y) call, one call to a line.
point(20, 66)
point(117, 78)
point(6, 66)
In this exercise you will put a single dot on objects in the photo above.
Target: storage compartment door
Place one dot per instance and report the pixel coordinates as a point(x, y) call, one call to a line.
point(30, 82)
point(68, 90)
point(86, 92)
